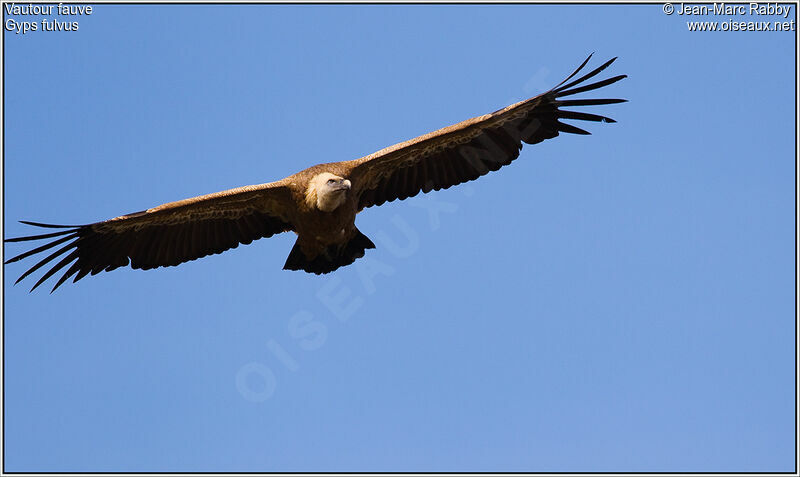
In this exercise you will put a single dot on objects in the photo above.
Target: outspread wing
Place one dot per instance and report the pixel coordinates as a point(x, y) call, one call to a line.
point(166, 235)
point(470, 149)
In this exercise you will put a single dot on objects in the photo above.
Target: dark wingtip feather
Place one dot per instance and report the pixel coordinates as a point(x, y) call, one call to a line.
point(584, 116)
point(588, 102)
point(42, 248)
point(590, 87)
point(569, 128)
point(558, 89)
point(34, 286)
point(47, 260)
point(575, 72)
point(70, 257)
point(70, 271)
point(49, 226)
point(39, 237)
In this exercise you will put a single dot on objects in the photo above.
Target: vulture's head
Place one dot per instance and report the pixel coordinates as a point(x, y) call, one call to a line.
point(327, 191)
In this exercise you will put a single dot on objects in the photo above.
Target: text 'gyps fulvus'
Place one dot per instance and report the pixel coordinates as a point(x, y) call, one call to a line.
point(320, 203)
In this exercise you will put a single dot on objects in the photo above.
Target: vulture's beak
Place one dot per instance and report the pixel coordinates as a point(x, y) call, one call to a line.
point(345, 184)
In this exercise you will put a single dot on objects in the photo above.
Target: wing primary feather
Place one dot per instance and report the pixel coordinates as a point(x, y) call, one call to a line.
point(70, 256)
point(588, 102)
point(83, 271)
point(46, 260)
point(49, 226)
point(583, 116)
point(585, 77)
point(39, 237)
point(56, 268)
point(569, 128)
point(590, 87)
point(574, 72)
point(70, 271)
point(41, 249)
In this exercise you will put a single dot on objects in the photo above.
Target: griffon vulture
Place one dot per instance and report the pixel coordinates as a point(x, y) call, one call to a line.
point(320, 203)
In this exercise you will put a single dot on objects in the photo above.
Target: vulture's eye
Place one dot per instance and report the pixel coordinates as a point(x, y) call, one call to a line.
point(331, 181)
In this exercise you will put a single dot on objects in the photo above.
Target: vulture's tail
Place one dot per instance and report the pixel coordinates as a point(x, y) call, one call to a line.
point(331, 258)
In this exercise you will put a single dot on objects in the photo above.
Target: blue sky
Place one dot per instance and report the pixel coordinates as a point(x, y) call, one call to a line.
point(620, 301)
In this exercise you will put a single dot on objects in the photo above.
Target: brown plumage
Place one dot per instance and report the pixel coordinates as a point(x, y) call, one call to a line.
point(320, 203)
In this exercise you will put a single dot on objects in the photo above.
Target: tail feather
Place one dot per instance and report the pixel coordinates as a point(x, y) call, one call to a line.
point(331, 258)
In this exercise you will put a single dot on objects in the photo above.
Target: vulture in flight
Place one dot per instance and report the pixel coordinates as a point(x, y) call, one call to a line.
point(320, 203)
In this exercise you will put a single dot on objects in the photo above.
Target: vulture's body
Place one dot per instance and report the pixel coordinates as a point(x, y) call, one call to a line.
point(320, 203)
